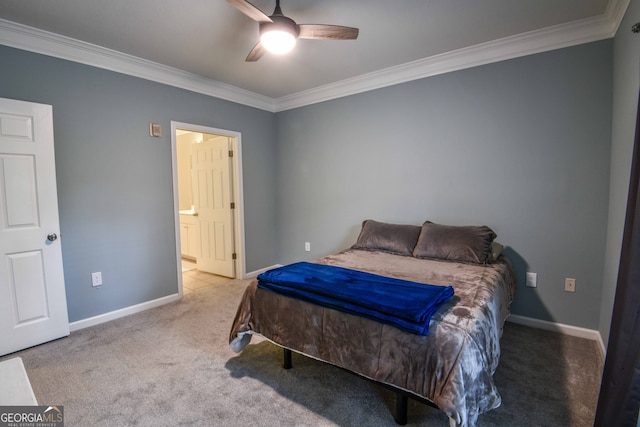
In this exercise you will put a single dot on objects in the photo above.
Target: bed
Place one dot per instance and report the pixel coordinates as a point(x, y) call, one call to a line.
point(452, 366)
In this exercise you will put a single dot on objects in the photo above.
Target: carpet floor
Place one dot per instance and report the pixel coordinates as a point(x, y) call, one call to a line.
point(172, 366)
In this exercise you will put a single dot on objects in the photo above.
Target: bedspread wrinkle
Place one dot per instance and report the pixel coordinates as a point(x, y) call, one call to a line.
point(452, 366)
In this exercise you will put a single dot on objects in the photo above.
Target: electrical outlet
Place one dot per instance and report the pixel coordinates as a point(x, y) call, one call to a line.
point(532, 280)
point(569, 285)
point(307, 246)
point(96, 279)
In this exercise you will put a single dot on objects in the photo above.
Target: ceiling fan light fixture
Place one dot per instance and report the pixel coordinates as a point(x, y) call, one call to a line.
point(278, 33)
point(278, 41)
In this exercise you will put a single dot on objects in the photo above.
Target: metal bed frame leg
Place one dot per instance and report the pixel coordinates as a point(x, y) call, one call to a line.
point(402, 400)
point(401, 408)
point(286, 361)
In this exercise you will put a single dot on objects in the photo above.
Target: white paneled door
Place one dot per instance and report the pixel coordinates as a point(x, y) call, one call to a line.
point(212, 198)
point(33, 304)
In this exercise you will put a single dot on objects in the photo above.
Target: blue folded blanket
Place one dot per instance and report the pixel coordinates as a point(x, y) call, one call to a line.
point(401, 303)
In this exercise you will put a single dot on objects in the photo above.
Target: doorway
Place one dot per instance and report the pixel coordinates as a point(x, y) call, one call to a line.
point(208, 202)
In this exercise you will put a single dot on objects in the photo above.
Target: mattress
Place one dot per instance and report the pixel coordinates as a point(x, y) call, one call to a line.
point(452, 366)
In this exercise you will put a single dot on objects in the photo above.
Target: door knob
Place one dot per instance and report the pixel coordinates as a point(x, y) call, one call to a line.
point(52, 236)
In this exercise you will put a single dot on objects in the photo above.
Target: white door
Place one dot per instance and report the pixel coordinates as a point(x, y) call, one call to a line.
point(212, 201)
point(33, 304)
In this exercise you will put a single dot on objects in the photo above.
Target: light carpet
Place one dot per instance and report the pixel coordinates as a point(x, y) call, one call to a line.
point(172, 366)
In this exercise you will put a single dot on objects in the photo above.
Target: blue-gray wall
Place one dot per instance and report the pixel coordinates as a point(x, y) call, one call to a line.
point(626, 82)
point(115, 182)
point(522, 146)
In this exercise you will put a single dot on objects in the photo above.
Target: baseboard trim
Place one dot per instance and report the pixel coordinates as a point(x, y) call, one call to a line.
point(255, 273)
point(116, 314)
point(574, 331)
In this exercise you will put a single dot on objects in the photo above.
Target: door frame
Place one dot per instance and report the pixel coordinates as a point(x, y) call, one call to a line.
point(238, 197)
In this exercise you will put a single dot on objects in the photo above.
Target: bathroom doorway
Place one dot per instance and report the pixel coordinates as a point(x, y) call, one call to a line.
point(207, 175)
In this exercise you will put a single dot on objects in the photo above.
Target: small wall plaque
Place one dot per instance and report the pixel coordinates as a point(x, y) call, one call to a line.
point(155, 130)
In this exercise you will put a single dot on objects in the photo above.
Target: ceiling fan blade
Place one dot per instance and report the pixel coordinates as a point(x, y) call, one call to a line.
point(256, 53)
point(250, 10)
point(334, 32)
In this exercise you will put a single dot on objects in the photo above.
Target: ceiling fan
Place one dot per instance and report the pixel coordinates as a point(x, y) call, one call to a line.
point(278, 33)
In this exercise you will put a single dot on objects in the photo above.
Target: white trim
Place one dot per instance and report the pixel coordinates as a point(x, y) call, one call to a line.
point(575, 331)
point(255, 273)
point(546, 39)
point(238, 194)
point(555, 37)
point(601, 346)
point(176, 208)
point(35, 40)
point(116, 314)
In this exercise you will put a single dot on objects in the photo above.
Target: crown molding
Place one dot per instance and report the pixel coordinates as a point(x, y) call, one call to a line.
point(573, 33)
point(546, 39)
point(39, 41)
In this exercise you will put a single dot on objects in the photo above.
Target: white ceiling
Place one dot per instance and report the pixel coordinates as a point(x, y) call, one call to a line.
point(208, 40)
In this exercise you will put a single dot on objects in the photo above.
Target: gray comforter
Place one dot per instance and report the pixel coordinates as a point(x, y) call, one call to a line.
point(452, 367)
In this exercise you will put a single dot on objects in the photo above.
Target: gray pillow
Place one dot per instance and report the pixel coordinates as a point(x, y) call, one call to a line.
point(455, 243)
point(392, 238)
point(496, 251)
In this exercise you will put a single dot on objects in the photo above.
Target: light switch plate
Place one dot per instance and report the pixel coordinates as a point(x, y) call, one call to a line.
point(155, 130)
